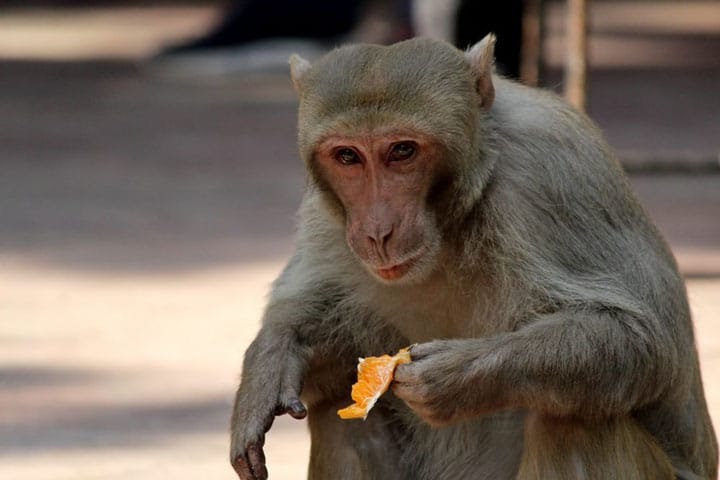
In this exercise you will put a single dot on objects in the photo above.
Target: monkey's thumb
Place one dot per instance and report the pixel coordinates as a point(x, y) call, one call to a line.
point(291, 404)
point(296, 409)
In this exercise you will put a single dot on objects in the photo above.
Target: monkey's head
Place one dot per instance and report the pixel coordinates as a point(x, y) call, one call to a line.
point(392, 138)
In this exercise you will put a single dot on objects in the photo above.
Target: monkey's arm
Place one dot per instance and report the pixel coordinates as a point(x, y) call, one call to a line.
point(274, 368)
point(271, 383)
point(585, 363)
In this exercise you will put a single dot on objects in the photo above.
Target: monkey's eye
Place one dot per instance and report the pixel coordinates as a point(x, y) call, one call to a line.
point(347, 156)
point(401, 151)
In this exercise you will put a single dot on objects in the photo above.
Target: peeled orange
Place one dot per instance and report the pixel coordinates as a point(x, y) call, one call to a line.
point(374, 377)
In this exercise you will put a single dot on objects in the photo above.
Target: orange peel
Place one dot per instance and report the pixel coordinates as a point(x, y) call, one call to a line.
point(374, 377)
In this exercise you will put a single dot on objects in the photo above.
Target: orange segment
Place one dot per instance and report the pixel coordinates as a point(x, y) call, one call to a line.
point(374, 377)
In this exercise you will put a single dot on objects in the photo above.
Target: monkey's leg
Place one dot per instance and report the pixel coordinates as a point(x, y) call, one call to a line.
point(564, 449)
point(352, 449)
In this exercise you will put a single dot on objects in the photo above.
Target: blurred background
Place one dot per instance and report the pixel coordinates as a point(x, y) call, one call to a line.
point(149, 180)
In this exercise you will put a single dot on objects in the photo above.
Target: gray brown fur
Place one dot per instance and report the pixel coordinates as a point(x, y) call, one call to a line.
point(556, 319)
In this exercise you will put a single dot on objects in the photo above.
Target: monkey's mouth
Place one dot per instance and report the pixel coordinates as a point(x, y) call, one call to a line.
point(399, 270)
point(394, 272)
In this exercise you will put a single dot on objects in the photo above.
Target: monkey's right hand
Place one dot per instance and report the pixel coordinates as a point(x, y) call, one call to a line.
point(253, 415)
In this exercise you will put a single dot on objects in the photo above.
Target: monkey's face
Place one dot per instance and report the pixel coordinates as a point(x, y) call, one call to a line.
point(391, 137)
point(382, 180)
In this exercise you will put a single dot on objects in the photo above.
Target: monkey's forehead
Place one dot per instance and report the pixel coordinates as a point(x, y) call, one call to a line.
point(406, 74)
point(422, 85)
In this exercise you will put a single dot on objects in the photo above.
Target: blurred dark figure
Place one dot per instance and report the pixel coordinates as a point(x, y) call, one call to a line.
point(474, 19)
point(328, 21)
point(251, 20)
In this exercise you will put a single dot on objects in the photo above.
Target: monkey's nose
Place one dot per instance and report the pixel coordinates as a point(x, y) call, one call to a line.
point(379, 236)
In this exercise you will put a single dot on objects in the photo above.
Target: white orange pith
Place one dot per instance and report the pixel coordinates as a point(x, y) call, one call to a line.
point(374, 377)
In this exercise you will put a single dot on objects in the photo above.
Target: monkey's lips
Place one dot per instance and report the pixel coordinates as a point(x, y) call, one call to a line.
point(396, 271)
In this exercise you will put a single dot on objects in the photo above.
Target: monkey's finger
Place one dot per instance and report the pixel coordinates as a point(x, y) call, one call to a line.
point(401, 376)
point(421, 410)
point(429, 415)
point(407, 373)
point(291, 404)
point(398, 391)
point(256, 458)
point(406, 393)
point(422, 350)
point(242, 468)
point(296, 409)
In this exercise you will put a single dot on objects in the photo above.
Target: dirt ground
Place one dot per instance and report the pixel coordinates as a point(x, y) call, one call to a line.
point(143, 219)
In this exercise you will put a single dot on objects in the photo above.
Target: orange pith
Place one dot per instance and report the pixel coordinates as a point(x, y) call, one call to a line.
point(374, 377)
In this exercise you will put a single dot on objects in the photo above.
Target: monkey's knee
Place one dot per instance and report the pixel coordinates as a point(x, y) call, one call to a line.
point(564, 449)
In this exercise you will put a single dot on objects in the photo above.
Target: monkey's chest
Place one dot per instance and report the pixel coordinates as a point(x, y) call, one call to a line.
point(434, 315)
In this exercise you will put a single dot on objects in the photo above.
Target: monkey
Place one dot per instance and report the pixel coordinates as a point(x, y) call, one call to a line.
point(490, 225)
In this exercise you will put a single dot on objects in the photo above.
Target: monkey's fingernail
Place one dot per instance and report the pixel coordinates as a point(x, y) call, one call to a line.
point(410, 350)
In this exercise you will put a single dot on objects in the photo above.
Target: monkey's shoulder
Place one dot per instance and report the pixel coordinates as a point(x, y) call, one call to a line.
point(546, 148)
point(539, 128)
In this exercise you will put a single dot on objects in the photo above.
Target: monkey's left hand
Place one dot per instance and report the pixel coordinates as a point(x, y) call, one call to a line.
point(448, 380)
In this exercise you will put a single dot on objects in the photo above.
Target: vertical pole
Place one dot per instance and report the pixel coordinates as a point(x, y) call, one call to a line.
point(531, 43)
point(576, 65)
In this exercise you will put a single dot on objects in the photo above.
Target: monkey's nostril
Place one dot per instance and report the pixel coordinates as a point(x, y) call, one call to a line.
point(380, 237)
point(384, 238)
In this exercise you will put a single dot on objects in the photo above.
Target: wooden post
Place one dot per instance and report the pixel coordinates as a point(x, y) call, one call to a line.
point(530, 56)
point(576, 64)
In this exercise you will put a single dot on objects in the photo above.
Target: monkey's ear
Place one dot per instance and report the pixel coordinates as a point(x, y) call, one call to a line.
point(298, 67)
point(482, 58)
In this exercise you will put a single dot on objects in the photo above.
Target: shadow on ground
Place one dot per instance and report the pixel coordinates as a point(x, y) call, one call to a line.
point(13, 378)
point(92, 423)
point(104, 426)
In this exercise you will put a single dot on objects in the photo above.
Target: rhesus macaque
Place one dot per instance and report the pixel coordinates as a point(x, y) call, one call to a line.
point(492, 225)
